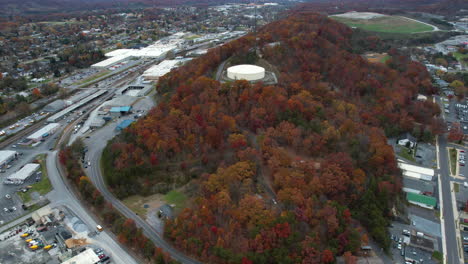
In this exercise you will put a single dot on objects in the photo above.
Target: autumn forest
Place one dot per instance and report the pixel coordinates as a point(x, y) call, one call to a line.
point(297, 172)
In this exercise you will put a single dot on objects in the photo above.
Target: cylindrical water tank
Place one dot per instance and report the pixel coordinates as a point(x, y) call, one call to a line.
point(246, 72)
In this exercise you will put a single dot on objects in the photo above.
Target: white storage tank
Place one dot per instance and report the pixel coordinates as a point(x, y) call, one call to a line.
point(246, 72)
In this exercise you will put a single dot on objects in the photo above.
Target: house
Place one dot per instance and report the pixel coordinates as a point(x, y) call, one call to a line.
point(424, 201)
point(407, 140)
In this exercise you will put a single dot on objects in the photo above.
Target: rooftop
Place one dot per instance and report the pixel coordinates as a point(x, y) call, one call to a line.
point(419, 198)
point(117, 109)
point(24, 172)
point(86, 257)
point(124, 124)
point(161, 68)
point(6, 154)
point(417, 169)
point(43, 130)
point(246, 69)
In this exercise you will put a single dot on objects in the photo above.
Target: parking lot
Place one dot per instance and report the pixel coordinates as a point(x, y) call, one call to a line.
point(28, 155)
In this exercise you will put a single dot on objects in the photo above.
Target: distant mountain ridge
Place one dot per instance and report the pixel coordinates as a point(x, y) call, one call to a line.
point(14, 7)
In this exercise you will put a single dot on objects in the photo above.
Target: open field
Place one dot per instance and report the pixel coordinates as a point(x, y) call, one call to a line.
point(177, 198)
point(460, 57)
point(389, 24)
point(142, 205)
point(404, 154)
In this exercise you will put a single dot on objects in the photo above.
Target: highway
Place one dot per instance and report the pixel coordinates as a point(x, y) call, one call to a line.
point(96, 144)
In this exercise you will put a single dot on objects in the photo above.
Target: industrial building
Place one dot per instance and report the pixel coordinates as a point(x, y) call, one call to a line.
point(156, 71)
point(44, 132)
point(124, 124)
point(135, 90)
point(6, 156)
point(416, 172)
point(158, 50)
point(424, 201)
point(54, 106)
point(23, 174)
point(56, 117)
point(86, 257)
point(80, 96)
point(246, 72)
point(120, 110)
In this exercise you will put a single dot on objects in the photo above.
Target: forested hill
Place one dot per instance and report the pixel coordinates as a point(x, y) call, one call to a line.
point(290, 173)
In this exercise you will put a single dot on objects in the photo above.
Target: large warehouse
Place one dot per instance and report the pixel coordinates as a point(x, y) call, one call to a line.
point(6, 156)
point(246, 72)
point(158, 50)
point(23, 174)
point(160, 69)
point(44, 132)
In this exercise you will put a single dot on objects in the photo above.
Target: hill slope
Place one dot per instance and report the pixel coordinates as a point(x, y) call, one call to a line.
point(290, 173)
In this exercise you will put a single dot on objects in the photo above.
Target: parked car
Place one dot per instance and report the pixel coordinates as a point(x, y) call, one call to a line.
point(8, 196)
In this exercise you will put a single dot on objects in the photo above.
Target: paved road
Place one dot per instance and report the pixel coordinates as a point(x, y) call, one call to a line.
point(96, 144)
point(61, 195)
point(448, 214)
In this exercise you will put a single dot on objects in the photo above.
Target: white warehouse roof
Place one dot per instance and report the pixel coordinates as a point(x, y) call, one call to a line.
point(156, 50)
point(24, 172)
point(417, 169)
point(161, 68)
point(6, 155)
point(112, 60)
point(86, 257)
point(119, 52)
point(44, 130)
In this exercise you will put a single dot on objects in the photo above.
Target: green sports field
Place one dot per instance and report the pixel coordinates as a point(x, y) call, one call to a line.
point(388, 24)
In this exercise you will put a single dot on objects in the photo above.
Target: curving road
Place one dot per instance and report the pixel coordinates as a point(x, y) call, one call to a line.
point(62, 196)
point(96, 143)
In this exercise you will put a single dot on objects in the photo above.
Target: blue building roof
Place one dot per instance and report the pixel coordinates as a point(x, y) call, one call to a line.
point(115, 109)
point(118, 109)
point(124, 124)
point(125, 108)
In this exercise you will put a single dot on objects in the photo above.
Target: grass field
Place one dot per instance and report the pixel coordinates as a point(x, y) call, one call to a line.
point(177, 198)
point(460, 57)
point(404, 154)
point(388, 24)
point(42, 187)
